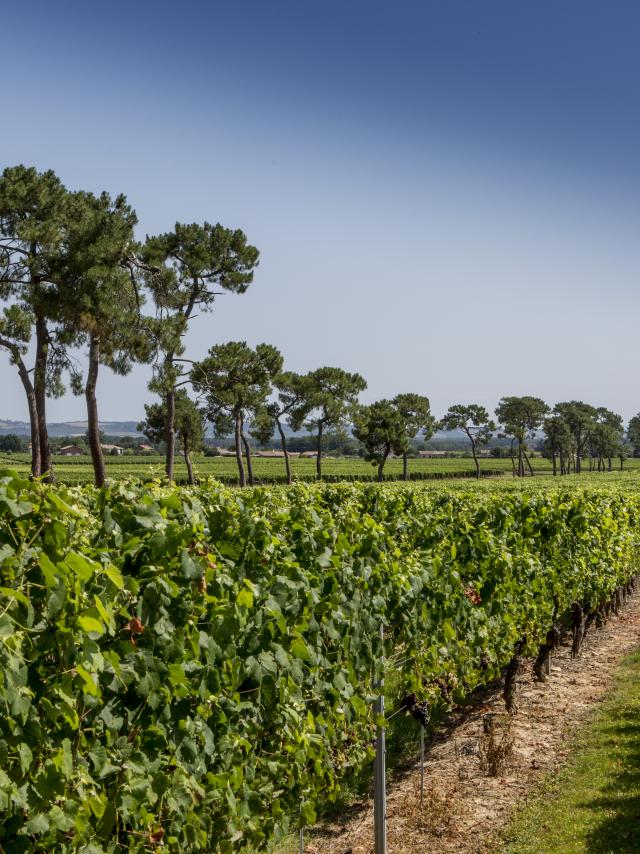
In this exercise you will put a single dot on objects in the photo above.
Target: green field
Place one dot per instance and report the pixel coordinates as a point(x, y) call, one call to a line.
point(79, 470)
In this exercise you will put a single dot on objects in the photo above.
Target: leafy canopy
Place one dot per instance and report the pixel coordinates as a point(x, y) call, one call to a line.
point(235, 380)
point(382, 430)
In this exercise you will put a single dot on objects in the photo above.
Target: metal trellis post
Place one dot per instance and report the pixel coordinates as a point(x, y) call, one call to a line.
point(421, 766)
point(379, 793)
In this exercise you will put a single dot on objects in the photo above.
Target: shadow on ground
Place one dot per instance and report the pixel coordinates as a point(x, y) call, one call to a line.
point(618, 831)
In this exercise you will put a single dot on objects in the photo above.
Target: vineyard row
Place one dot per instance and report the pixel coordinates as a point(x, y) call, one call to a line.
point(180, 666)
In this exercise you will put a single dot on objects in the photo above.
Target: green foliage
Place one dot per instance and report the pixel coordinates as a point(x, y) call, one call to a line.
point(101, 298)
point(330, 395)
point(521, 416)
point(235, 380)
point(415, 409)
point(183, 268)
point(474, 421)
point(12, 443)
point(328, 399)
point(33, 214)
point(189, 422)
point(382, 430)
point(181, 666)
point(633, 433)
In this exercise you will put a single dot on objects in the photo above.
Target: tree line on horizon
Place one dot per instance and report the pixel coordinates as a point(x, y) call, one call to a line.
point(74, 277)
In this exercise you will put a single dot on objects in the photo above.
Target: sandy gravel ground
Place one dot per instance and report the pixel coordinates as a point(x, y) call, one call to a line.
point(464, 806)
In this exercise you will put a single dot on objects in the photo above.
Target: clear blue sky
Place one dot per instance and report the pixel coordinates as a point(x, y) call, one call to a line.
point(446, 196)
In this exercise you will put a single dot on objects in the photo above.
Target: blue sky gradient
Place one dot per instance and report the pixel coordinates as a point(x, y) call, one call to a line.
point(445, 195)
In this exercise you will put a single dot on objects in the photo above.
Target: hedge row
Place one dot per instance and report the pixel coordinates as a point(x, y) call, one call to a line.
point(275, 479)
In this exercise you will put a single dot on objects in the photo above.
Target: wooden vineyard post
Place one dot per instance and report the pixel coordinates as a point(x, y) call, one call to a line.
point(379, 784)
point(302, 840)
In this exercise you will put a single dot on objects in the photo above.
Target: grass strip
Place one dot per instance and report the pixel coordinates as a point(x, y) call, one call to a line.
point(593, 803)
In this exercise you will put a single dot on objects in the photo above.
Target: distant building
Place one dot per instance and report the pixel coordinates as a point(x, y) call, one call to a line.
point(115, 450)
point(71, 451)
point(145, 449)
point(308, 454)
point(430, 454)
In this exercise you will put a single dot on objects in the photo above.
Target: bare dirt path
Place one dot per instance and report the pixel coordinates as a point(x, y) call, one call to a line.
point(464, 808)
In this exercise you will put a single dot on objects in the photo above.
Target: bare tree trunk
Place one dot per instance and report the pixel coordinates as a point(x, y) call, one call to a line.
point(247, 450)
point(36, 469)
point(93, 425)
point(473, 451)
point(319, 452)
point(170, 424)
point(187, 459)
point(238, 432)
point(528, 463)
point(578, 466)
point(520, 460)
point(36, 465)
point(283, 443)
point(40, 392)
point(381, 465)
point(610, 464)
point(405, 466)
point(553, 462)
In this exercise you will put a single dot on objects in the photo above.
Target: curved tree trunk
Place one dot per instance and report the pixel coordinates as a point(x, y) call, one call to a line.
point(93, 424)
point(528, 462)
point(247, 450)
point(319, 451)
point(36, 468)
point(36, 465)
point(238, 435)
point(283, 444)
point(170, 423)
point(473, 452)
point(381, 465)
point(40, 392)
point(405, 466)
point(187, 459)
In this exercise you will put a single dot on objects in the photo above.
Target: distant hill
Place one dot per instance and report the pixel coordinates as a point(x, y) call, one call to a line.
point(71, 428)
point(441, 440)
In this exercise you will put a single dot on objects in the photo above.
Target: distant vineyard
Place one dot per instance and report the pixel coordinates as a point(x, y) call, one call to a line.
point(188, 665)
point(74, 470)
